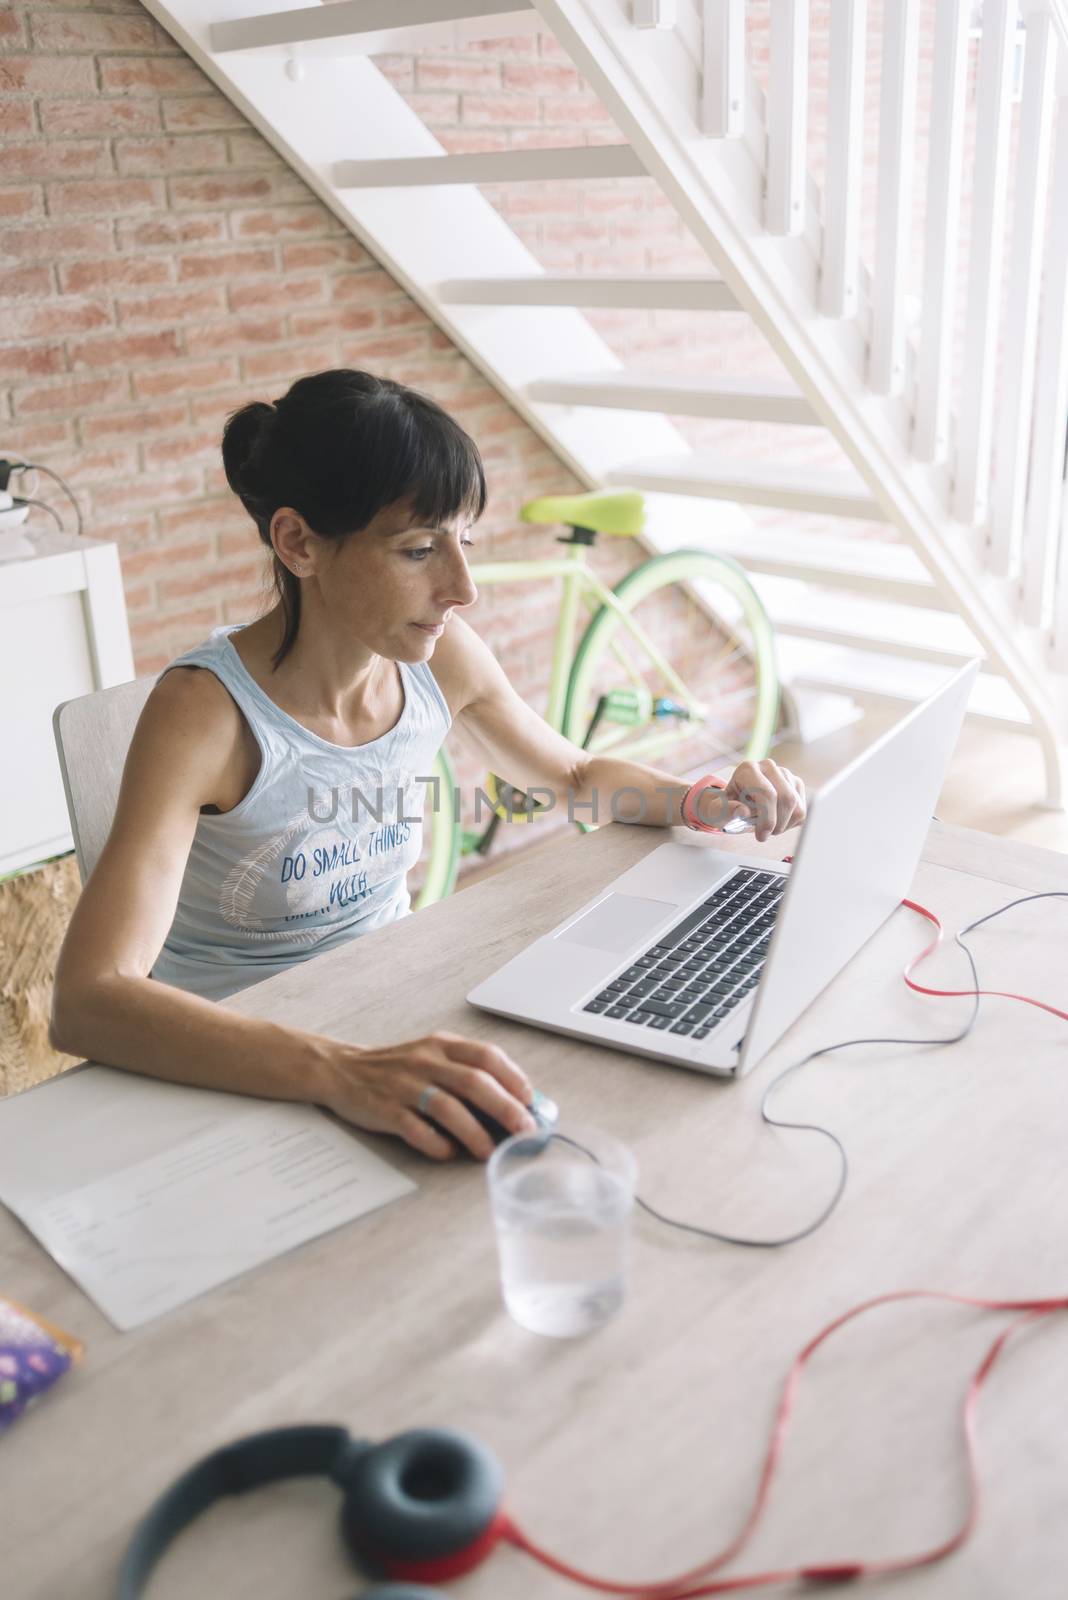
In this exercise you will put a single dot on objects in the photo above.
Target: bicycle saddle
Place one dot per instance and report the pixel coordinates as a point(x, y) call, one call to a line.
point(619, 511)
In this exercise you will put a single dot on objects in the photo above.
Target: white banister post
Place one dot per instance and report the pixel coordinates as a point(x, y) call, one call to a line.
point(893, 229)
point(1043, 519)
point(845, 157)
point(1025, 284)
point(993, 105)
point(949, 80)
point(655, 13)
point(723, 60)
point(787, 117)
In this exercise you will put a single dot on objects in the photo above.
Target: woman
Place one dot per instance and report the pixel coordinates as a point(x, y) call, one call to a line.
point(232, 855)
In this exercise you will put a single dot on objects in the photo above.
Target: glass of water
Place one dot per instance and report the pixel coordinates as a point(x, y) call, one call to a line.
point(562, 1212)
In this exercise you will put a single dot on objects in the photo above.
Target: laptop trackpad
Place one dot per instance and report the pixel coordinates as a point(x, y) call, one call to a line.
point(618, 922)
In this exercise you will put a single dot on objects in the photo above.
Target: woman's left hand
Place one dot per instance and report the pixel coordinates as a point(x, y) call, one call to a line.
point(774, 795)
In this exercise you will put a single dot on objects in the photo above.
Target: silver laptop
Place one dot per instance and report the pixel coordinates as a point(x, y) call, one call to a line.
point(704, 958)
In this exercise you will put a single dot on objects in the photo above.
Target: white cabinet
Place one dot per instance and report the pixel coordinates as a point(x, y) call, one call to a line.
point(63, 633)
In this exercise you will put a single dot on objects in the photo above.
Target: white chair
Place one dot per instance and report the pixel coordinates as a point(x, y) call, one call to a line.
point(93, 734)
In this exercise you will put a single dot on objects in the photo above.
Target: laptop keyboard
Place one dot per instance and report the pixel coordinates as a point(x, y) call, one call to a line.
point(701, 968)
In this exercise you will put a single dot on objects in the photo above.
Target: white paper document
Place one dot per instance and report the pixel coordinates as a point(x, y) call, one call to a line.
point(150, 1193)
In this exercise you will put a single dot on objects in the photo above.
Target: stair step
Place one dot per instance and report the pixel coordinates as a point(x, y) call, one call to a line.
point(350, 19)
point(754, 483)
point(650, 294)
point(744, 399)
point(492, 166)
point(803, 612)
point(871, 675)
point(866, 566)
point(816, 713)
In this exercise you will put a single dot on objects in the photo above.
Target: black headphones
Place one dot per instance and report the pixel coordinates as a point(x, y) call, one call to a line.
point(423, 1507)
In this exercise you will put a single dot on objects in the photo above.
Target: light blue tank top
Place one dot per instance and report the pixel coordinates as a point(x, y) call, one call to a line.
point(319, 849)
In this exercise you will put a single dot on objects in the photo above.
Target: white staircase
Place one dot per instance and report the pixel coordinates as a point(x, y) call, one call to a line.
point(974, 495)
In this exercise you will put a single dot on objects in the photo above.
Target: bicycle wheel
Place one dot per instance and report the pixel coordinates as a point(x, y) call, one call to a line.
point(443, 855)
point(704, 663)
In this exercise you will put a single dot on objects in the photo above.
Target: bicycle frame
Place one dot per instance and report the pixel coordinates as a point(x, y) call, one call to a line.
point(579, 582)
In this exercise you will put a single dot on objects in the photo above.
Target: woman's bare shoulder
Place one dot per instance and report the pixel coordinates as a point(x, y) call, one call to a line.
point(190, 719)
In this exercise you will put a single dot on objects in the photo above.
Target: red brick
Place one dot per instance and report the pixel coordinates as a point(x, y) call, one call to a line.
point(47, 75)
point(205, 112)
point(89, 33)
point(96, 466)
point(280, 295)
point(435, 109)
point(328, 253)
point(151, 419)
point(406, 314)
point(279, 222)
point(392, 347)
point(499, 110)
point(35, 281)
point(213, 409)
point(150, 75)
point(241, 542)
point(124, 349)
point(542, 77)
point(23, 201)
point(458, 72)
point(12, 31)
point(219, 190)
point(173, 591)
point(123, 194)
point(288, 364)
point(162, 558)
point(311, 324)
point(460, 141)
point(115, 272)
point(189, 447)
point(34, 361)
point(56, 319)
point(185, 153)
point(177, 305)
point(48, 240)
point(225, 265)
point(201, 515)
point(16, 117)
point(208, 338)
point(181, 632)
point(163, 232)
point(36, 438)
point(398, 70)
point(249, 149)
point(364, 288)
point(73, 394)
point(148, 491)
point(140, 601)
point(98, 116)
point(52, 159)
point(190, 377)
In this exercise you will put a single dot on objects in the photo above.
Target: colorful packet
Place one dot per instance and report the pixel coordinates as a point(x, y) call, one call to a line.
point(33, 1354)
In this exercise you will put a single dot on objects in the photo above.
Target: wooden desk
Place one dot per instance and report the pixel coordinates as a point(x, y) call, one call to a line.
point(633, 1452)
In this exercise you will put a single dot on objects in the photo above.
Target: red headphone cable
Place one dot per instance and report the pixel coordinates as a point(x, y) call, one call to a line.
point(681, 1587)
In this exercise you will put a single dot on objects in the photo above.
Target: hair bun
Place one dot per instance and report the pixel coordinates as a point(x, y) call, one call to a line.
point(242, 435)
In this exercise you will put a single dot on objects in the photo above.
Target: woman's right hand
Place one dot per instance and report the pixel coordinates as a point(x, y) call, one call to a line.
point(379, 1089)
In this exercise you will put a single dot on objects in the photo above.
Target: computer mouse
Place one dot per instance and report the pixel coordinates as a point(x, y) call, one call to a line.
point(546, 1114)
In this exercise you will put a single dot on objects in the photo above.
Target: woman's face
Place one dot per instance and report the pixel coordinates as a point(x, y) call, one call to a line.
point(395, 583)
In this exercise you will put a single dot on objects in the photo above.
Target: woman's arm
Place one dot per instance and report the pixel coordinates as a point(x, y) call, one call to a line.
point(106, 1007)
point(522, 748)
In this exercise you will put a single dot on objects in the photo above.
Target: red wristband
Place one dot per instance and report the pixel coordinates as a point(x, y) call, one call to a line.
point(690, 800)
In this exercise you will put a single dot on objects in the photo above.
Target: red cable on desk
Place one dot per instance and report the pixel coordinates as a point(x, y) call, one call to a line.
point(680, 1587)
point(835, 1572)
point(963, 993)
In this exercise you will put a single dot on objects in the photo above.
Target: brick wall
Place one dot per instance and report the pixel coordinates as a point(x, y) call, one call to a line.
point(160, 265)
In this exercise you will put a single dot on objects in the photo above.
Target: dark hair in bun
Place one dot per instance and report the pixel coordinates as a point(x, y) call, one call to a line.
point(339, 447)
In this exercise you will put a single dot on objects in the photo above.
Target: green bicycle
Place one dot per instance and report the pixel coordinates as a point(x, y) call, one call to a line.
point(641, 682)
